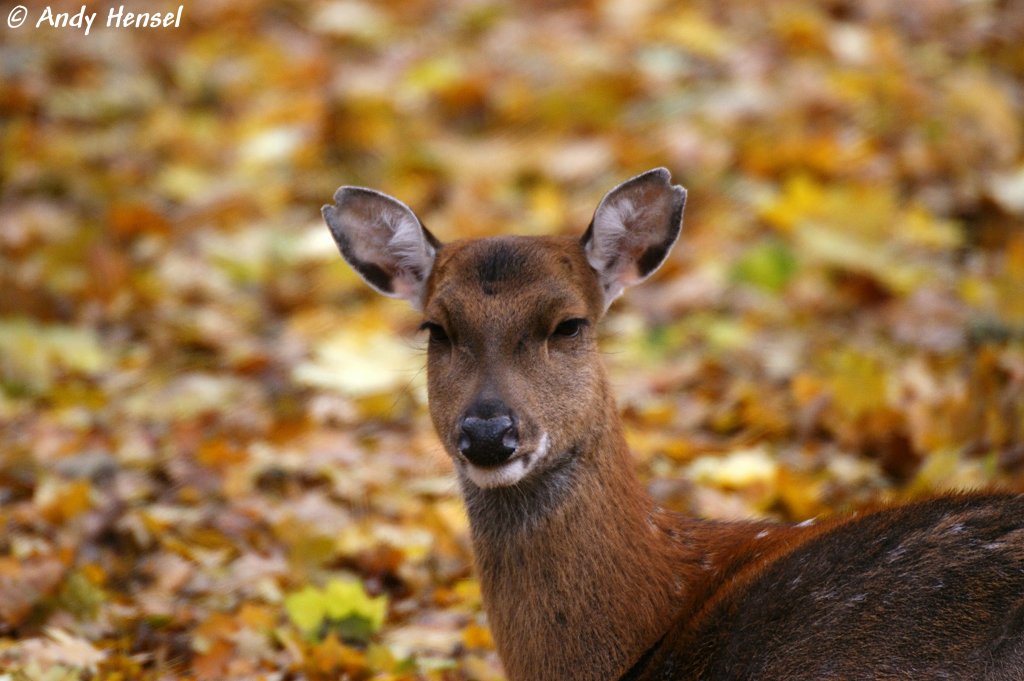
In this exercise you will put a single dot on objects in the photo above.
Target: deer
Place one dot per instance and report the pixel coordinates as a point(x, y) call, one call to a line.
point(583, 576)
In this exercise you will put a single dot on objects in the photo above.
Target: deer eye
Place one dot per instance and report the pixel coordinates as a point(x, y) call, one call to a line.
point(436, 331)
point(570, 328)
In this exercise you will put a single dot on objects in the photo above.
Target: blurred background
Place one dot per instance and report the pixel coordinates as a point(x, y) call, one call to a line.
point(215, 459)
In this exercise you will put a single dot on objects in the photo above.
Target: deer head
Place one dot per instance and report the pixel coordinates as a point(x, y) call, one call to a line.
point(514, 385)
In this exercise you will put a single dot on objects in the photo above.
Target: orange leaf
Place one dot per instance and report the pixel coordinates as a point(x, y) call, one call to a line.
point(213, 663)
point(476, 637)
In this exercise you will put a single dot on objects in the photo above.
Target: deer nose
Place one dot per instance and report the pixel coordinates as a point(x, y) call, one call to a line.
point(488, 441)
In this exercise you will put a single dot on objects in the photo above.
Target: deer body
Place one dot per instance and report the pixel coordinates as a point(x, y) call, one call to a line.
point(583, 576)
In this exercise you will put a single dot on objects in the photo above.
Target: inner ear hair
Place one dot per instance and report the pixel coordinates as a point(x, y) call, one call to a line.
point(383, 241)
point(633, 229)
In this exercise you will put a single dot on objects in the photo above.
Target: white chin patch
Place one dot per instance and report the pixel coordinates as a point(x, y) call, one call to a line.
point(510, 472)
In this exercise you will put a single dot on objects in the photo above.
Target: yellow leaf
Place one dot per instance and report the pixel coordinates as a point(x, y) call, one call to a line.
point(63, 501)
point(347, 598)
point(858, 383)
point(920, 227)
point(547, 208)
point(339, 601)
point(741, 468)
point(800, 493)
point(691, 31)
point(468, 590)
point(799, 197)
point(33, 355)
point(306, 608)
point(361, 359)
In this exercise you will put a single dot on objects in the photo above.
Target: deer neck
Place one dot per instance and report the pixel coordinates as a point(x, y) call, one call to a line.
point(576, 566)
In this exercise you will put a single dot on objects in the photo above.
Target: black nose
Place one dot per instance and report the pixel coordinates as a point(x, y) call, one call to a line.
point(488, 439)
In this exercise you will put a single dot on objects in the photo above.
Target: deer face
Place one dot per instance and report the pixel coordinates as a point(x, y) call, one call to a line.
point(515, 381)
point(512, 369)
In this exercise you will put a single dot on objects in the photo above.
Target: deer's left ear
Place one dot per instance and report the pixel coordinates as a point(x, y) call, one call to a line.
point(633, 230)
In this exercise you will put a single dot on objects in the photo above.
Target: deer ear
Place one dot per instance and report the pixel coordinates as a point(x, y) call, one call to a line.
point(383, 241)
point(633, 229)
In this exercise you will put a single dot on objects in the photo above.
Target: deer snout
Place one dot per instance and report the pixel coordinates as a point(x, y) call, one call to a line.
point(488, 439)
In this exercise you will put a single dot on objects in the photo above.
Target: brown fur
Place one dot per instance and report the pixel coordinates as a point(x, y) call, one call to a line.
point(583, 576)
point(575, 591)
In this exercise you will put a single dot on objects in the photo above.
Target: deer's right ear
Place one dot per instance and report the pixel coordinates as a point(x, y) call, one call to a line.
point(383, 241)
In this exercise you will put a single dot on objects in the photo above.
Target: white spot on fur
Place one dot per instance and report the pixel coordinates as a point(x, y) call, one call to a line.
point(825, 594)
point(512, 471)
point(806, 523)
point(762, 534)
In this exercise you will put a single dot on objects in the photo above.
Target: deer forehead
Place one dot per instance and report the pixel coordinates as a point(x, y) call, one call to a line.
point(512, 279)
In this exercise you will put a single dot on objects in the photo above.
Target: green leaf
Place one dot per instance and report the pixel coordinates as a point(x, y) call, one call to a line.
point(81, 597)
point(768, 265)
